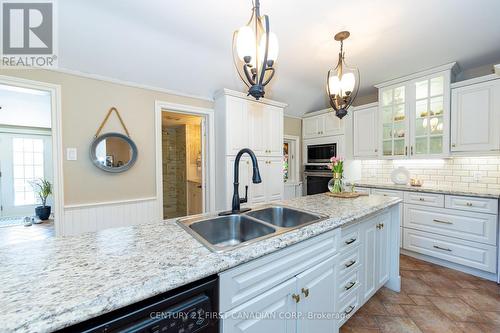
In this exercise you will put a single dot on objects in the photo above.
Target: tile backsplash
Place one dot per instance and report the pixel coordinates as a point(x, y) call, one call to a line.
point(460, 172)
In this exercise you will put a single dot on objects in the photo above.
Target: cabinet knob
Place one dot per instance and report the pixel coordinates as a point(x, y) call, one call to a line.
point(376, 150)
point(305, 291)
point(469, 204)
point(421, 199)
point(296, 298)
point(453, 145)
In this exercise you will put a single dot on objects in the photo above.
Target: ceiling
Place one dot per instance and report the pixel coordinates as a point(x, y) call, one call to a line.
point(185, 45)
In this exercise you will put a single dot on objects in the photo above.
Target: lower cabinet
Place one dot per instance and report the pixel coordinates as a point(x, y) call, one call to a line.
point(376, 254)
point(291, 306)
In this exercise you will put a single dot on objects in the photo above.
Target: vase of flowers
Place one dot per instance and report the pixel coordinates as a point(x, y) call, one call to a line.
point(337, 166)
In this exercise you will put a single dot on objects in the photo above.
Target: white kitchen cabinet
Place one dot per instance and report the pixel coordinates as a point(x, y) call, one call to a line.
point(316, 290)
point(376, 254)
point(475, 116)
point(268, 309)
point(414, 115)
point(325, 124)
point(365, 132)
point(243, 122)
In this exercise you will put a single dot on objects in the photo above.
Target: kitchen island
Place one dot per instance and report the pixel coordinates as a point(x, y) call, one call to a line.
point(55, 283)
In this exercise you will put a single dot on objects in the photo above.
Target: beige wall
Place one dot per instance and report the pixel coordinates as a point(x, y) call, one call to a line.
point(292, 126)
point(84, 104)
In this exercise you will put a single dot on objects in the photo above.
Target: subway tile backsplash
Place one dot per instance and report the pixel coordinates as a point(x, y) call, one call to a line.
point(460, 172)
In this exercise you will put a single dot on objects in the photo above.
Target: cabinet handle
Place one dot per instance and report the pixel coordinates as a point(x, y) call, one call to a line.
point(442, 248)
point(376, 150)
point(469, 204)
point(347, 312)
point(453, 145)
point(305, 291)
point(296, 298)
point(421, 199)
point(380, 226)
point(441, 221)
point(350, 241)
point(411, 150)
point(350, 285)
point(350, 263)
point(406, 151)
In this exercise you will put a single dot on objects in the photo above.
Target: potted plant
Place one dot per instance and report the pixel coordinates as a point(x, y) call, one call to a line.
point(43, 189)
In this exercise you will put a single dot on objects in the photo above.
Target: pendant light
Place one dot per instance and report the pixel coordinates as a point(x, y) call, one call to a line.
point(255, 50)
point(342, 83)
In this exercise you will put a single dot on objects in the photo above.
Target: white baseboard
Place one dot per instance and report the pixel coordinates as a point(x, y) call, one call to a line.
point(458, 267)
point(93, 217)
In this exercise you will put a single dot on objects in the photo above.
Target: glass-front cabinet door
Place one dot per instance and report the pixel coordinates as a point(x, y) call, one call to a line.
point(394, 120)
point(430, 116)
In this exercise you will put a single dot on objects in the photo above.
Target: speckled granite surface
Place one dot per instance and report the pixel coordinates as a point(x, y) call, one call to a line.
point(55, 283)
point(486, 193)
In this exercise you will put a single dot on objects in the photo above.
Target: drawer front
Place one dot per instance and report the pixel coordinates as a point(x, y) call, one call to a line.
point(476, 255)
point(362, 189)
point(348, 285)
point(475, 227)
point(349, 262)
point(388, 193)
point(348, 307)
point(472, 204)
point(349, 239)
point(246, 281)
point(427, 199)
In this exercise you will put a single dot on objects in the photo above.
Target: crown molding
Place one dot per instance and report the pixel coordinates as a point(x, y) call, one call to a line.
point(453, 67)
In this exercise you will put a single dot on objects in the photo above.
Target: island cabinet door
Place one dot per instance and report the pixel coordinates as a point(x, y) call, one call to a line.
point(369, 232)
point(273, 311)
point(317, 298)
point(383, 249)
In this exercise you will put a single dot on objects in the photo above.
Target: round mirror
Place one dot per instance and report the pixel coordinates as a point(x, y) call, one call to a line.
point(113, 152)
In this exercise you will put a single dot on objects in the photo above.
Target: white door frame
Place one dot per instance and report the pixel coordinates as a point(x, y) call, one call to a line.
point(296, 160)
point(209, 173)
point(57, 147)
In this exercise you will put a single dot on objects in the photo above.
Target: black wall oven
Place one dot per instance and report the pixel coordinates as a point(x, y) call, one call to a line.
point(321, 153)
point(316, 179)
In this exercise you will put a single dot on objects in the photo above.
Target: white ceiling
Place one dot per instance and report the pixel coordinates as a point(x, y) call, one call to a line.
point(185, 45)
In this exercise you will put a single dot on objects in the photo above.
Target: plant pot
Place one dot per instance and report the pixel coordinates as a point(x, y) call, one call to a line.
point(43, 212)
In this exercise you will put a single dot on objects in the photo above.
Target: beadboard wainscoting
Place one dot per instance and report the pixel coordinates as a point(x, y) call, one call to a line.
point(79, 219)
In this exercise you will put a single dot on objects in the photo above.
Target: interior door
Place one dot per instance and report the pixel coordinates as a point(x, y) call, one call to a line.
point(317, 295)
point(23, 158)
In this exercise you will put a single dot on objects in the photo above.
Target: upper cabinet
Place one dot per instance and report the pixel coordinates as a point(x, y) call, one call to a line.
point(325, 124)
point(475, 116)
point(365, 142)
point(414, 115)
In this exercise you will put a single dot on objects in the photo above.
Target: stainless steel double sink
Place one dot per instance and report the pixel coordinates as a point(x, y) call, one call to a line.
point(224, 233)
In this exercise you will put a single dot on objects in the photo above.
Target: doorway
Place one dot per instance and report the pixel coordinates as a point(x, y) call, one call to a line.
point(183, 164)
point(26, 159)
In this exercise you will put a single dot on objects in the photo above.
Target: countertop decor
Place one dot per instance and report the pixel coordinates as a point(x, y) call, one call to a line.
point(50, 284)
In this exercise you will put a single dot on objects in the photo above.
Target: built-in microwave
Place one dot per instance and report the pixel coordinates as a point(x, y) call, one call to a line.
point(321, 153)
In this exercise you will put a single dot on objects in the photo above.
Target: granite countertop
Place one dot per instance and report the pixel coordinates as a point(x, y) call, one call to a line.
point(477, 192)
point(51, 284)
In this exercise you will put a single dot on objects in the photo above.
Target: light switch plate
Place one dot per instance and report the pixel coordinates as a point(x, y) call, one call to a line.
point(71, 154)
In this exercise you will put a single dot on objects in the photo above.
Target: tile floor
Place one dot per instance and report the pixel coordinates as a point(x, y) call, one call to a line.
point(20, 234)
point(432, 299)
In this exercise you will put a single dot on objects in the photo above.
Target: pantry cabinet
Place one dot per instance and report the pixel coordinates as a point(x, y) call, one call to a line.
point(365, 134)
point(325, 124)
point(257, 125)
point(414, 115)
point(475, 117)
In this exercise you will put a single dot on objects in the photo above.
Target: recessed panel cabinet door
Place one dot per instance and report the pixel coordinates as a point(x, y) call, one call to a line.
point(265, 313)
point(383, 248)
point(273, 126)
point(369, 233)
point(274, 178)
point(365, 132)
point(257, 122)
point(333, 125)
point(475, 117)
point(257, 192)
point(236, 125)
point(245, 178)
point(311, 127)
point(317, 295)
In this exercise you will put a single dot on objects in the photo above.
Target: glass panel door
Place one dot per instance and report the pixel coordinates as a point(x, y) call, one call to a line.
point(429, 113)
point(394, 122)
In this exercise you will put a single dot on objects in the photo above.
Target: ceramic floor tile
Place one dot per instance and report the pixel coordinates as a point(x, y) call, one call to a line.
point(373, 307)
point(456, 309)
point(395, 310)
point(361, 321)
point(429, 319)
point(397, 325)
point(389, 296)
point(416, 286)
point(492, 317)
point(480, 299)
point(420, 299)
point(469, 327)
point(349, 329)
point(436, 280)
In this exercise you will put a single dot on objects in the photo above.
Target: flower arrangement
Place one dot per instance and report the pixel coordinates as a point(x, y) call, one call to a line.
point(337, 167)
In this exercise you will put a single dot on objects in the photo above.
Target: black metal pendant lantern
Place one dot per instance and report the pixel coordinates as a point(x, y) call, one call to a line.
point(255, 50)
point(342, 83)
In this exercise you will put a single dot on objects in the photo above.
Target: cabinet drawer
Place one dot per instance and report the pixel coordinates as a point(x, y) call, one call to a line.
point(470, 226)
point(349, 262)
point(476, 255)
point(348, 284)
point(472, 204)
point(253, 278)
point(387, 193)
point(350, 238)
point(348, 307)
point(427, 199)
point(362, 189)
